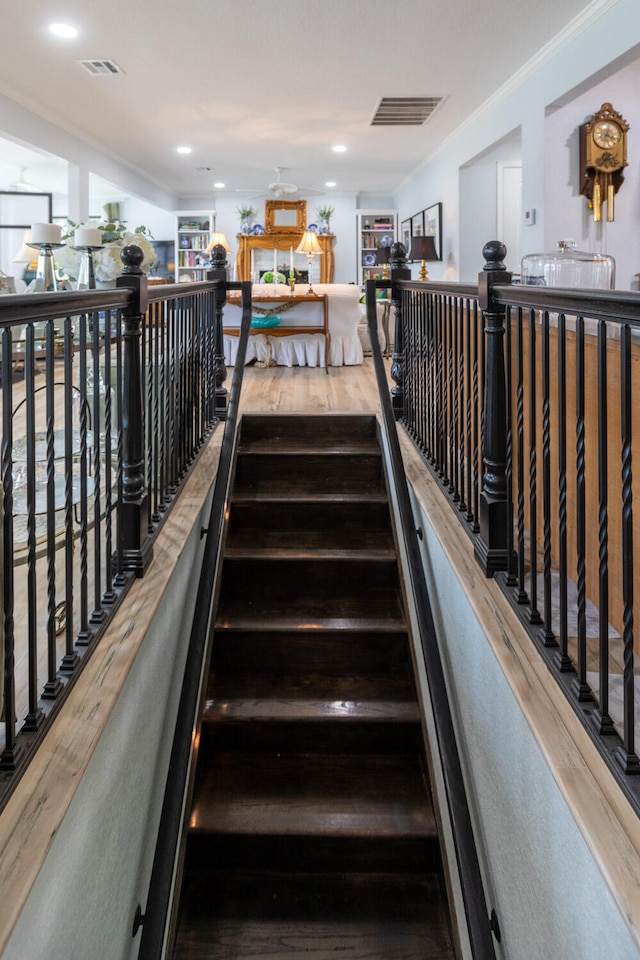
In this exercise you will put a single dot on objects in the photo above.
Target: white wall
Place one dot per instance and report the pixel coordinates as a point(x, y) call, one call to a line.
point(607, 44)
point(567, 213)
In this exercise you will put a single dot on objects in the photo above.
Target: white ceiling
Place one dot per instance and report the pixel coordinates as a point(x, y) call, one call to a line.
point(253, 86)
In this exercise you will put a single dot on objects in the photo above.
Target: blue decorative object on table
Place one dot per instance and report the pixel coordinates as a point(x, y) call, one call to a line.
point(313, 227)
point(257, 230)
point(264, 323)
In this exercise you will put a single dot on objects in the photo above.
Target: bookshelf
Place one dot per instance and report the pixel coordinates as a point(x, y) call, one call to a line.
point(193, 235)
point(375, 228)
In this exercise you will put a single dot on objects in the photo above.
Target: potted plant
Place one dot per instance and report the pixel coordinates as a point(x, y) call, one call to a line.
point(325, 214)
point(246, 215)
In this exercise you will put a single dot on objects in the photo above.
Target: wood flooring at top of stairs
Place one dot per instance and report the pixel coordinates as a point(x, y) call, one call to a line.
point(350, 389)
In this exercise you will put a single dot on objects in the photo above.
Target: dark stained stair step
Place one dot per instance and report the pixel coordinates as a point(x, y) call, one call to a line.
point(310, 525)
point(291, 916)
point(338, 473)
point(312, 795)
point(283, 691)
point(324, 429)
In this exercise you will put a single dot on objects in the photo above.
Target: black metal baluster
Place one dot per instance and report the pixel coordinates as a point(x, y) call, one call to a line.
point(564, 661)
point(11, 750)
point(581, 686)
point(512, 567)
point(626, 755)
point(153, 391)
point(548, 634)
point(477, 416)
point(454, 486)
point(82, 638)
point(534, 615)
point(431, 410)
point(604, 721)
point(53, 685)
point(110, 391)
point(467, 307)
point(522, 595)
point(34, 715)
point(462, 379)
point(70, 658)
point(97, 614)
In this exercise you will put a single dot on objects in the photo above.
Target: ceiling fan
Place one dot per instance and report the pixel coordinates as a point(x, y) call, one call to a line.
point(280, 188)
point(22, 185)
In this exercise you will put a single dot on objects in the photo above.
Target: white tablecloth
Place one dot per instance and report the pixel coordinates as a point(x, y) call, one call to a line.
point(303, 349)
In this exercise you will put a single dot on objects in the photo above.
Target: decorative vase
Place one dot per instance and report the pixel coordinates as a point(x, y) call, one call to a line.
point(245, 226)
point(324, 227)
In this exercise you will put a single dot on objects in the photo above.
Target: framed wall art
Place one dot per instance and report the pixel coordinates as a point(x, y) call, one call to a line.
point(405, 234)
point(433, 225)
point(417, 224)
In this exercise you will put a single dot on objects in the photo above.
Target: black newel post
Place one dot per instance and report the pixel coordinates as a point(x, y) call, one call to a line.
point(399, 271)
point(133, 539)
point(491, 548)
point(219, 271)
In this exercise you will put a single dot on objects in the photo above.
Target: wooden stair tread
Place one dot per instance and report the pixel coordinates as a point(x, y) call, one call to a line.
point(373, 711)
point(352, 493)
point(280, 682)
point(308, 553)
point(311, 795)
point(245, 623)
point(272, 915)
point(302, 446)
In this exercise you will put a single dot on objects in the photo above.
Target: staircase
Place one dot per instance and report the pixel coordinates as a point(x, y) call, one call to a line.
point(312, 832)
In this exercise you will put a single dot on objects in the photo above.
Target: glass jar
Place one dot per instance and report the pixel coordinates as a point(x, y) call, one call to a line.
point(568, 267)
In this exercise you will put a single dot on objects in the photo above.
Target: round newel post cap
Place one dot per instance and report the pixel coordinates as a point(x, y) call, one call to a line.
point(398, 256)
point(132, 257)
point(218, 255)
point(494, 253)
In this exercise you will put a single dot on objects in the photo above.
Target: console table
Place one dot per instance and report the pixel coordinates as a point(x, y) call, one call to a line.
point(284, 329)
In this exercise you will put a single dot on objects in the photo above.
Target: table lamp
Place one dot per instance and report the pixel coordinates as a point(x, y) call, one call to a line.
point(218, 238)
point(383, 255)
point(423, 248)
point(309, 245)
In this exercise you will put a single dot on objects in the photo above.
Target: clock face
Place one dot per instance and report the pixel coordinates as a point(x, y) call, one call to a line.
point(607, 134)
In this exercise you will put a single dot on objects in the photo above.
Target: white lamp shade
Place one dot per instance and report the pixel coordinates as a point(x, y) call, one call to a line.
point(218, 238)
point(309, 243)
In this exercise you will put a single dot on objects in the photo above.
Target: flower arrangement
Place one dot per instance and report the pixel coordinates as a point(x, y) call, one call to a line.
point(106, 261)
point(325, 213)
point(268, 277)
point(246, 213)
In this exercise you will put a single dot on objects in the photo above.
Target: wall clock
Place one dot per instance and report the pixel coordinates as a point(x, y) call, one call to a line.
point(603, 157)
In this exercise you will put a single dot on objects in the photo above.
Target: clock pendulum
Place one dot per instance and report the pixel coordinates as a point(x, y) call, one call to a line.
point(603, 156)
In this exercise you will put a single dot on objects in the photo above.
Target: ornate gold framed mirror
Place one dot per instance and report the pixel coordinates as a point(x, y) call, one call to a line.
point(285, 216)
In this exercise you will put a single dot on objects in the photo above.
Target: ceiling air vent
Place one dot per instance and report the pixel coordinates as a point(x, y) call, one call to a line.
point(404, 111)
point(100, 68)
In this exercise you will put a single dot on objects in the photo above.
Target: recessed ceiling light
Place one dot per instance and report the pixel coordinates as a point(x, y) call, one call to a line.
point(63, 30)
point(184, 149)
point(339, 148)
point(219, 186)
point(330, 183)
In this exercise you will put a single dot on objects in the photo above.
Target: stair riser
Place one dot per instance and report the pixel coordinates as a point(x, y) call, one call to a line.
point(327, 429)
point(313, 651)
point(310, 525)
point(278, 738)
point(313, 470)
point(325, 854)
point(319, 589)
